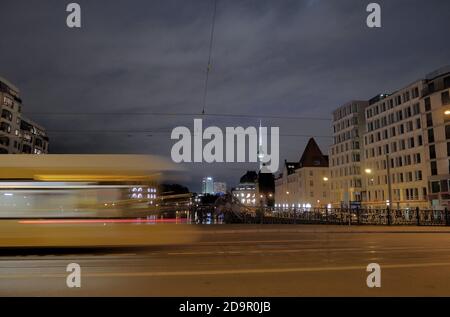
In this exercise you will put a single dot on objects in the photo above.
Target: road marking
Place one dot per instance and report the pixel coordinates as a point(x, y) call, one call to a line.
point(334, 250)
point(270, 241)
point(231, 272)
point(339, 230)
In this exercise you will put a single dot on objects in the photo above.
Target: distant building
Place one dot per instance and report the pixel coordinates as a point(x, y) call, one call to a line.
point(220, 188)
point(208, 185)
point(255, 189)
point(304, 184)
point(246, 191)
point(18, 134)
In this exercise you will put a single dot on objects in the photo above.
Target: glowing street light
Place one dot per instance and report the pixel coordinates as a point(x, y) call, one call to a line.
point(368, 171)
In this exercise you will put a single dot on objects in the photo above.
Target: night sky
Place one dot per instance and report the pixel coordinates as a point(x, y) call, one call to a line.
point(279, 57)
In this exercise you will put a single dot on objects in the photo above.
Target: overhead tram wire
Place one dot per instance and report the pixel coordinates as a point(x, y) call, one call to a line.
point(208, 68)
point(173, 114)
point(151, 132)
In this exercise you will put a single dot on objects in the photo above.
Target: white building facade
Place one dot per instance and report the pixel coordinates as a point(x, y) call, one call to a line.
point(304, 184)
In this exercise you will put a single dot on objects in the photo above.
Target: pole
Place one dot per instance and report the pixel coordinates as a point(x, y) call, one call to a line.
point(389, 188)
point(357, 216)
point(418, 216)
point(446, 217)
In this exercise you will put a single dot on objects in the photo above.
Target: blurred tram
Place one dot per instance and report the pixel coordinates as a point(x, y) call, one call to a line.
point(80, 186)
point(87, 201)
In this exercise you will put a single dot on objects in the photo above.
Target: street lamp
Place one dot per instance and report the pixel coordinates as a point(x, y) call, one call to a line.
point(389, 183)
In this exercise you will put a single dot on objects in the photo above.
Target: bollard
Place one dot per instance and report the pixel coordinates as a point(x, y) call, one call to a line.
point(295, 215)
point(357, 216)
point(417, 216)
point(388, 210)
point(446, 216)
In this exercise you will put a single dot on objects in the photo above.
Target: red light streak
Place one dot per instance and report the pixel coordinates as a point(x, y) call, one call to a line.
point(83, 221)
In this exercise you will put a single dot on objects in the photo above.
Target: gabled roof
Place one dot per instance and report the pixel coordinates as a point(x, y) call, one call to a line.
point(313, 156)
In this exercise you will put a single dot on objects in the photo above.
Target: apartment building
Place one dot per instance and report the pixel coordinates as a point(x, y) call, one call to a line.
point(436, 118)
point(394, 167)
point(18, 134)
point(33, 138)
point(304, 184)
point(345, 154)
point(10, 109)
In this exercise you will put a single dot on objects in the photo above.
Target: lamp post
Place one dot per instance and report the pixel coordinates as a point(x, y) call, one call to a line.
point(289, 207)
point(368, 171)
point(389, 183)
point(325, 179)
point(389, 189)
point(261, 208)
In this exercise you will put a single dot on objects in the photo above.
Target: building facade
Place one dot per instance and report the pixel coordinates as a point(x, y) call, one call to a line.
point(220, 188)
point(394, 168)
point(435, 103)
point(346, 154)
point(404, 147)
point(247, 190)
point(18, 134)
point(208, 185)
point(304, 184)
point(33, 138)
point(10, 108)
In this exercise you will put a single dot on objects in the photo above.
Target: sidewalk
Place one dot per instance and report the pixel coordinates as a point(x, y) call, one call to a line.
point(301, 228)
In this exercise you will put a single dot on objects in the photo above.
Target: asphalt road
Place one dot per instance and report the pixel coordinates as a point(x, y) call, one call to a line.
point(244, 261)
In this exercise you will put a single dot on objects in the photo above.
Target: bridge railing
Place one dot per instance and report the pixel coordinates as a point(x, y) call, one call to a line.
point(359, 216)
point(343, 216)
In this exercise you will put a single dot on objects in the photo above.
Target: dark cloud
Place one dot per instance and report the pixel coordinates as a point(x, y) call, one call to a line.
point(293, 58)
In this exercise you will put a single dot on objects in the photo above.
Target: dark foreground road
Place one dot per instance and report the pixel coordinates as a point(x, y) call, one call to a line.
point(246, 261)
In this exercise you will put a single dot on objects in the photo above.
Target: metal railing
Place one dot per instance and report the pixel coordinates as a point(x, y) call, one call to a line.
point(355, 216)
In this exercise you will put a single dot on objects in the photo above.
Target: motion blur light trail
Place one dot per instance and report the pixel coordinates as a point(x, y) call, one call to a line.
point(60, 233)
point(84, 221)
point(83, 186)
